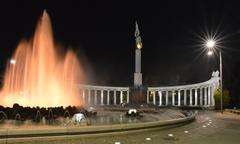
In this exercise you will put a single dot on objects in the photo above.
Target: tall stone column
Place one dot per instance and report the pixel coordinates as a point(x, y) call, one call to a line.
point(201, 97)
point(95, 97)
point(209, 95)
point(147, 96)
point(185, 97)
point(101, 97)
point(166, 98)
point(154, 97)
point(108, 97)
point(83, 95)
point(196, 97)
point(173, 98)
point(160, 97)
point(89, 96)
point(121, 97)
point(115, 97)
point(128, 96)
point(212, 98)
point(179, 97)
point(138, 74)
point(205, 96)
point(190, 97)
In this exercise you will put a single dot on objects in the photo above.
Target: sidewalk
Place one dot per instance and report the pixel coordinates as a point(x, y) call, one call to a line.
point(228, 115)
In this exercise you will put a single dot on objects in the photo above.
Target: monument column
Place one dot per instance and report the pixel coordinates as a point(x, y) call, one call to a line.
point(190, 97)
point(115, 97)
point(147, 96)
point(209, 95)
point(95, 97)
point(108, 97)
point(160, 98)
point(101, 97)
point(138, 74)
point(196, 98)
point(179, 97)
point(185, 97)
point(128, 96)
point(173, 97)
point(201, 97)
point(166, 98)
point(205, 96)
point(83, 95)
point(121, 97)
point(154, 97)
point(89, 96)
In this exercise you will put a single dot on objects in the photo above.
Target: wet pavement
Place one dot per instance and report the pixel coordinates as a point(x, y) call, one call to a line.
point(208, 128)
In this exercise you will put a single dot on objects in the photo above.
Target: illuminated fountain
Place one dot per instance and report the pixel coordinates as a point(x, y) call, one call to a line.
point(40, 76)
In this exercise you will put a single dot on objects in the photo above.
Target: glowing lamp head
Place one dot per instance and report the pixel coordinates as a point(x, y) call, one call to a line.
point(210, 53)
point(210, 43)
point(139, 45)
point(12, 61)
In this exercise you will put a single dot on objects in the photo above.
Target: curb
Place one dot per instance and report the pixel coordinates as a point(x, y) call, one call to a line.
point(21, 134)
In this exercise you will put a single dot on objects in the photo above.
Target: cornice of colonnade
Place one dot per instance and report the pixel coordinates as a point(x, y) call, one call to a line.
point(95, 87)
point(212, 81)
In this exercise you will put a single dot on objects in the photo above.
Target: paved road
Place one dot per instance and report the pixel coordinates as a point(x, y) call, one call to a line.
point(209, 128)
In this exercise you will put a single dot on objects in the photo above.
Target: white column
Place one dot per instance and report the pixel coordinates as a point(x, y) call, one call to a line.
point(179, 97)
point(83, 95)
point(160, 98)
point(213, 90)
point(128, 96)
point(147, 96)
point(166, 98)
point(196, 98)
point(95, 97)
point(209, 95)
point(121, 96)
point(154, 97)
point(108, 97)
point(115, 97)
point(205, 96)
point(190, 97)
point(185, 97)
point(101, 97)
point(173, 98)
point(89, 96)
point(201, 97)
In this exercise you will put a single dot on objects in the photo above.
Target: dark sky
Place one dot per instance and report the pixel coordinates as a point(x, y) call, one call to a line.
point(102, 34)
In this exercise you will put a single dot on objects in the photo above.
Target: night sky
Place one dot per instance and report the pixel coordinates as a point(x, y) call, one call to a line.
point(102, 35)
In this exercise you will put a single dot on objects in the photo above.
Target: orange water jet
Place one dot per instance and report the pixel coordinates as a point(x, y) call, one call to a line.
point(40, 76)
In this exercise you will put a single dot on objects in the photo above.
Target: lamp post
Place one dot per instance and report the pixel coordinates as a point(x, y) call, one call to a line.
point(13, 61)
point(210, 44)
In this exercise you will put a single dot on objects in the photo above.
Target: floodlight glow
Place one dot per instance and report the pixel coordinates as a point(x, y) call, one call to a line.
point(210, 43)
point(139, 45)
point(210, 53)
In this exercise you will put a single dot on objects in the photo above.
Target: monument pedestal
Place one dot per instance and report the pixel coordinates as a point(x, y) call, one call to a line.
point(138, 95)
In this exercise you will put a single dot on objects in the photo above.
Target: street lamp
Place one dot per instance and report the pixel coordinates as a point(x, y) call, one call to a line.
point(211, 44)
point(13, 61)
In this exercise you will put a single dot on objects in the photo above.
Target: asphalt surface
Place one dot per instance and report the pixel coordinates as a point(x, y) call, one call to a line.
point(208, 128)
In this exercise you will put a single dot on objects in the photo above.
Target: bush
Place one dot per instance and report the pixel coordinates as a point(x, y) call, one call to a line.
point(226, 99)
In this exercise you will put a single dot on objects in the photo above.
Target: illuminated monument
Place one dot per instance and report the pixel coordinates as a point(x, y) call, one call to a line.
point(138, 92)
point(138, 74)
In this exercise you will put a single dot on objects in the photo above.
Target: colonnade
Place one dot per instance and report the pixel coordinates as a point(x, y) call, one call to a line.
point(103, 95)
point(200, 94)
point(193, 95)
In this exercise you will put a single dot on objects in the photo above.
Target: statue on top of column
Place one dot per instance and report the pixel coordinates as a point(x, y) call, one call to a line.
point(215, 73)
